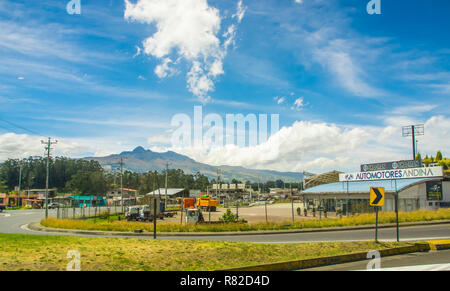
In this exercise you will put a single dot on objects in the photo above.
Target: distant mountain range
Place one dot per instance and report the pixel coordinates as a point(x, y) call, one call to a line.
point(140, 160)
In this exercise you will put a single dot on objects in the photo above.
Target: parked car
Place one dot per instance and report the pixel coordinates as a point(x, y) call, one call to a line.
point(53, 205)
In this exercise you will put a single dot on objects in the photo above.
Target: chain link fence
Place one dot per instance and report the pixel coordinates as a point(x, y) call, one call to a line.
point(74, 212)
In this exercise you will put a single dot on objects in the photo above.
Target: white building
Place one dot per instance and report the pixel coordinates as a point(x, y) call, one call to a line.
point(413, 194)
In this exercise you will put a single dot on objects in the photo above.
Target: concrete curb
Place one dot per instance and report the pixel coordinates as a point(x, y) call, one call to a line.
point(332, 260)
point(437, 245)
point(36, 226)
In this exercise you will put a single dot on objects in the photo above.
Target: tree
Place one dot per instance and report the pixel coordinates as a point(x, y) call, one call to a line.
point(438, 156)
point(279, 184)
point(3, 187)
point(418, 157)
point(88, 183)
point(443, 164)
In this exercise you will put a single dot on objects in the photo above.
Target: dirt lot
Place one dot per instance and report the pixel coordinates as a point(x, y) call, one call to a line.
point(275, 213)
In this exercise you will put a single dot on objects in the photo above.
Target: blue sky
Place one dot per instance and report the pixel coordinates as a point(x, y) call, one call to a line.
point(91, 82)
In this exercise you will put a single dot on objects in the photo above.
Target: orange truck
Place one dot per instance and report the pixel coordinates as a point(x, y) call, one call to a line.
point(188, 203)
point(206, 203)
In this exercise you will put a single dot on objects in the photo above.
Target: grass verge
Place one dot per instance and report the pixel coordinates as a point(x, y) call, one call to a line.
point(36, 252)
point(363, 219)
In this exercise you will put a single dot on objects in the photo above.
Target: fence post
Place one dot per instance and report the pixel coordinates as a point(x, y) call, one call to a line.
point(181, 216)
point(265, 205)
point(154, 217)
point(293, 217)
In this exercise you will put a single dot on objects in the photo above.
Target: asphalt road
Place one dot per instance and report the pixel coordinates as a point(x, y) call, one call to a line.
point(14, 222)
point(426, 261)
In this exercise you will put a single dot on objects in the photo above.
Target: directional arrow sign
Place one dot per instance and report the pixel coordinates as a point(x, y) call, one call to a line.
point(376, 196)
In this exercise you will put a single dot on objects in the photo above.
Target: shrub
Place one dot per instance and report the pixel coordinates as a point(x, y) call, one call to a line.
point(103, 215)
point(228, 216)
point(362, 219)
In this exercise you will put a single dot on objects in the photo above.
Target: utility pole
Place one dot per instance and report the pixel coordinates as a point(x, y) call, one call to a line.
point(218, 185)
point(121, 182)
point(48, 147)
point(20, 182)
point(167, 173)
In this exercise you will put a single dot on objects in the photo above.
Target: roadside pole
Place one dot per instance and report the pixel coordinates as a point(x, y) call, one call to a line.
point(237, 210)
point(121, 183)
point(154, 217)
point(165, 198)
point(265, 205)
point(396, 211)
point(376, 199)
point(320, 208)
point(292, 202)
point(348, 210)
point(376, 224)
point(20, 182)
point(181, 216)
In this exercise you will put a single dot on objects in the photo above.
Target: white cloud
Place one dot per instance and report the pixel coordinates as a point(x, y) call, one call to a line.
point(316, 147)
point(320, 147)
point(280, 100)
point(298, 104)
point(163, 70)
point(138, 51)
point(413, 109)
point(159, 139)
point(338, 58)
point(22, 145)
point(15, 146)
point(189, 30)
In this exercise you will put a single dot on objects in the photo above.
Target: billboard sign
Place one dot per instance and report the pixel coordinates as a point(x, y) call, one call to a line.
point(425, 172)
point(434, 190)
point(392, 165)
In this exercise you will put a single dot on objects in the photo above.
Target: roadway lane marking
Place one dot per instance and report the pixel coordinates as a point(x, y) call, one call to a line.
point(25, 227)
point(433, 267)
point(353, 240)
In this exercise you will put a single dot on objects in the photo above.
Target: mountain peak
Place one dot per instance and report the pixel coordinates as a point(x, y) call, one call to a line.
point(139, 149)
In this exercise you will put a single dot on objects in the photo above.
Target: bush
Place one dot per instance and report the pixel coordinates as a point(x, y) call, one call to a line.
point(103, 215)
point(361, 219)
point(228, 216)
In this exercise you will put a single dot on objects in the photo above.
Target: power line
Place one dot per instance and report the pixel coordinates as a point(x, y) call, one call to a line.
point(18, 126)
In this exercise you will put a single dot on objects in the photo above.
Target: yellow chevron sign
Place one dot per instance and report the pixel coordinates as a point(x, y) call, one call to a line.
point(376, 196)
